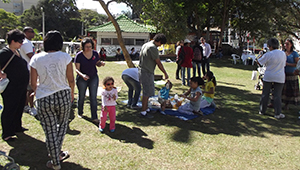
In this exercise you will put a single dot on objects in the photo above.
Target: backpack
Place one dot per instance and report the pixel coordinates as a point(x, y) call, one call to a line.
point(180, 56)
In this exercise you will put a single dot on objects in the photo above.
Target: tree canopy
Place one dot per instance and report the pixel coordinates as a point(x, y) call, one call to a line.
point(8, 22)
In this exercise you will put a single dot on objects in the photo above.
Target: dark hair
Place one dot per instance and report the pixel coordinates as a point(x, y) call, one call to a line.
point(106, 79)
point(273, 42)
point(85, 41)
point(53, 41)
point(160, 38)
point(15, 35)
point(291, 41)
point(211, 77)
point(198, 80)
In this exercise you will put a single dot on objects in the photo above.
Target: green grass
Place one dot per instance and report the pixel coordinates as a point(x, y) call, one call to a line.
point(234, 137)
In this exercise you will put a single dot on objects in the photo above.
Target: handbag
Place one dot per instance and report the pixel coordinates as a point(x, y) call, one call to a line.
point(4, 82)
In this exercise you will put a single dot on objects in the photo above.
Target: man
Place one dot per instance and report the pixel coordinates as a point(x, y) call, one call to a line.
point(206, 54)
point(149, 58)
point(27, 51)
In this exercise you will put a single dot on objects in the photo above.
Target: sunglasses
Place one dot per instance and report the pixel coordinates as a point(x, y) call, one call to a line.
point(108, 84)
point(20, 41)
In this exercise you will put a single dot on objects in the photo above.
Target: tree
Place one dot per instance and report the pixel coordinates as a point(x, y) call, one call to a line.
point(59, 15)
point(119, 33)
point(91, 18)
point(8, 22)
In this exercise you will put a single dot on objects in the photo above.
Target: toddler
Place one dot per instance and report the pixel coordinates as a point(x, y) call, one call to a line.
point(209, 90)
point(109, 97)
point(163, 96)
point(195, 94)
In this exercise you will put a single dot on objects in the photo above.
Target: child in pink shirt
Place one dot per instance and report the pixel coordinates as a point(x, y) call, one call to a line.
point(109, 97)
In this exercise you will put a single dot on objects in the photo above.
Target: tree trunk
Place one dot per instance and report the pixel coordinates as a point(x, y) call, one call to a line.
point(119, 34)
point(224, 21)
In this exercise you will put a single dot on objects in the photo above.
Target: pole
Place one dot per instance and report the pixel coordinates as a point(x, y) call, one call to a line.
point(43, 22)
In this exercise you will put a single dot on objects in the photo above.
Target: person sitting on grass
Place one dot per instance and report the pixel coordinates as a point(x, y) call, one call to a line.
point(109, 97)
point(194, 94)
point(209, 90)
point(163, 96)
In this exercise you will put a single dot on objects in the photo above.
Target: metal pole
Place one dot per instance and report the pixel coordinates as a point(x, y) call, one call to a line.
point(43, 22)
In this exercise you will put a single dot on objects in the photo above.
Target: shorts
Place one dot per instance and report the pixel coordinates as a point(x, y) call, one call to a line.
point(147, 81)
point(161, 100)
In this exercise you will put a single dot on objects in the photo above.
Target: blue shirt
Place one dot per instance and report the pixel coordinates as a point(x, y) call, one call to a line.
point(87, 66)
point(164, 93)
point(291, 59)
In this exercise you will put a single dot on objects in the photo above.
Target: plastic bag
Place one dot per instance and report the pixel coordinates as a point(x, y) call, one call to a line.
point(254, 75)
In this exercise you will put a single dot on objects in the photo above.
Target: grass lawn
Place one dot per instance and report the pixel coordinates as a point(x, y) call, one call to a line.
point(234, 137)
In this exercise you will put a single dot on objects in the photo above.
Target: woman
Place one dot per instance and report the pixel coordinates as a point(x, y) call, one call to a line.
point(102, 53)
point(178, 46)
point(274, 76)
point(54, 93)
point(14, 96)
point(86, 62)
point(187, 62)
point(198, 54)
point(290, 93)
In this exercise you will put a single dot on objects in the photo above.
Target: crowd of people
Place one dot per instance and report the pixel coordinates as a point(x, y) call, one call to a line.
point(48, 75)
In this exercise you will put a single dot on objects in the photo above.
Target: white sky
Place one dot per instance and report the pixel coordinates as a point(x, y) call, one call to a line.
point(113, 7)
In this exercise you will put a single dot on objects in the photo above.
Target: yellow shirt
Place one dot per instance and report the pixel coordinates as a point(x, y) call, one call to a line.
point(208, 86)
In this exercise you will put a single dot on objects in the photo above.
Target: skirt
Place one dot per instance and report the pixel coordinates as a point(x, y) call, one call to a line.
point(290, 92)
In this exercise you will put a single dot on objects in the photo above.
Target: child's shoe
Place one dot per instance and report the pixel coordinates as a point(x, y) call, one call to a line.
point(101, 130)
point(113, 130)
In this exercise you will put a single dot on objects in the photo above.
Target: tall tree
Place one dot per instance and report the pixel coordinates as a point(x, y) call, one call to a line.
point(91, 18)
point(59, 15)
point(119, 33)
point(8, 22)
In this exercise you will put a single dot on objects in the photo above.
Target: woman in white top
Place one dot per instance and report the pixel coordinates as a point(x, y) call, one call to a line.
point(54, 93)
point(275, 61)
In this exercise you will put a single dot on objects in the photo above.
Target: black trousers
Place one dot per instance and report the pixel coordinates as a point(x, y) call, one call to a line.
point(205, 63)
point(14, 98)
point(177, 71)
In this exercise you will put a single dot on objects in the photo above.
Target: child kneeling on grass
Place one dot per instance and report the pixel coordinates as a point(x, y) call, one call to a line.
point(209, 90)
point(109, 97)
point(195, 93)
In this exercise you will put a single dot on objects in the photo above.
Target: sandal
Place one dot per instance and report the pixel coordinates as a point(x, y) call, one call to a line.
point(63, 155)
point(50, 165)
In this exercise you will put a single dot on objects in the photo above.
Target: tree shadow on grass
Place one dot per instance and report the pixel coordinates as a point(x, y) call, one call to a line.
point(27, 152)
point(127, 135)
point(237, 115)
point(226, 63)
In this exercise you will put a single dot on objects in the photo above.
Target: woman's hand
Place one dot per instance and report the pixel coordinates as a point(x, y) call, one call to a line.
point(85, 77)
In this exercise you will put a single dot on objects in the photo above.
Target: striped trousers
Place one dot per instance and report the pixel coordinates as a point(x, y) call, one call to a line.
point(54, 111)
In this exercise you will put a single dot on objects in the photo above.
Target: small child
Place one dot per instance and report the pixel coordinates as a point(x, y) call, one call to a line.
point(163, 96)
point(109, 97)
point(192, 107)
point(209, 90)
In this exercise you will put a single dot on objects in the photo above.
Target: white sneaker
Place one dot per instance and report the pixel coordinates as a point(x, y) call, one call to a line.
point(280, 116)
point(33, 111)
point(26, 109)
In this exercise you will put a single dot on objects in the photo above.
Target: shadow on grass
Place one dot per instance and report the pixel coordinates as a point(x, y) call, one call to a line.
point(27, 152)
point(225, 63)
point(237, 115)
point(127, 135)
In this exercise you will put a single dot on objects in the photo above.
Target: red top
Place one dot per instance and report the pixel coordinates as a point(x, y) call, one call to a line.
point(189, 55)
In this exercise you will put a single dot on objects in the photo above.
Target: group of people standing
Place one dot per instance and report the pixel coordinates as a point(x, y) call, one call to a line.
point(281, 77)
point(194, 57)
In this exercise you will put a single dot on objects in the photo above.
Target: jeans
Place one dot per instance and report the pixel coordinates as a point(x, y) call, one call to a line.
point(82, 85)
point(276, 96)
point(132, 85)
point(183, 75)
point(198, 65)
point(177, 71)
point(205, 62)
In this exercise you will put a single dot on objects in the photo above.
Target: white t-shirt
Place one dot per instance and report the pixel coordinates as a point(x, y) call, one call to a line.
point(26, 47)
point(275, 62)
point(107, 97)
point(206, 49)
point(177, 50)
point(52, 69)
point(132, 72)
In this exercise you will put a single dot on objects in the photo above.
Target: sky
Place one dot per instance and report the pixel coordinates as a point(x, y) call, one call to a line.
point(113, 7)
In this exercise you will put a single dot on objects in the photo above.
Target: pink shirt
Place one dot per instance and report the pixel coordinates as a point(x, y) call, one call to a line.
point(107, 97)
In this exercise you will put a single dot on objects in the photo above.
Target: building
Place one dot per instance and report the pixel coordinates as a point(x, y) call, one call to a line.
point(134, 35)
point(17, 6)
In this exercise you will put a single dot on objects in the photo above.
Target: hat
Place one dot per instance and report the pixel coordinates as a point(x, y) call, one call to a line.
point(186, 41)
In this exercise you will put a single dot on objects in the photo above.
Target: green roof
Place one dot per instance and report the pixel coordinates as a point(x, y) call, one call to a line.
point(126, 25)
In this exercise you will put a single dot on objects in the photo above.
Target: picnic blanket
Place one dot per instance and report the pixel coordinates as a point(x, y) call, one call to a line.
point(182, 116)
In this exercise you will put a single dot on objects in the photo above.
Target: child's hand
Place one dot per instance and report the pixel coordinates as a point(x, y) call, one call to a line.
point(105, 108)
point(114, 97)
